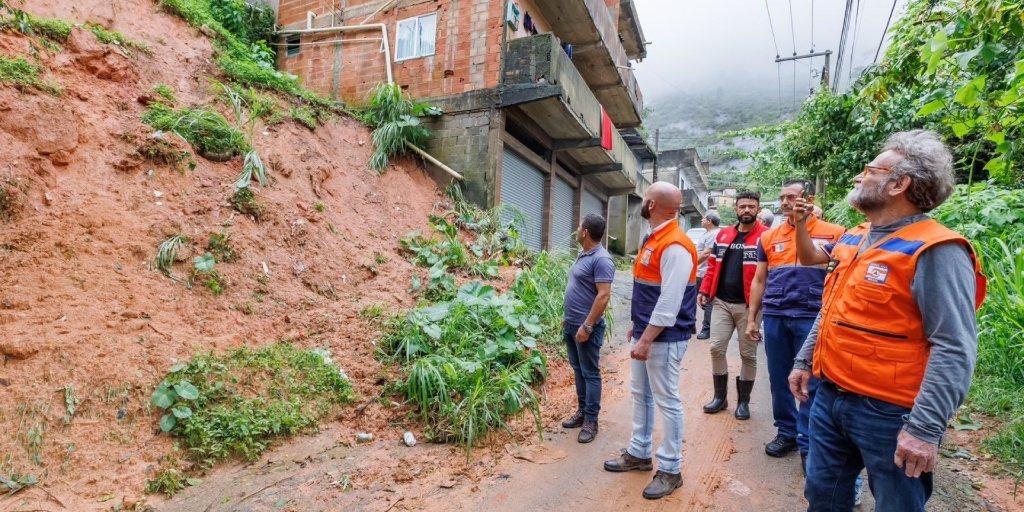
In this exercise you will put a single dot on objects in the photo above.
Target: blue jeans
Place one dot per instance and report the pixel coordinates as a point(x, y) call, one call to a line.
point(783, 337)
point(656, 381)
point(583, 358)
point(849, 432)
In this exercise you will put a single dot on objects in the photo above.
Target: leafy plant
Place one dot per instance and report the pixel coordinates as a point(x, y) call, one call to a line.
point(203, 265)
point(16, 482)
point(114, 37)
point(167, 251)
point(237, 403)
point(395, 123)
point(219, 246)
point(206, 129)
point(244, 200)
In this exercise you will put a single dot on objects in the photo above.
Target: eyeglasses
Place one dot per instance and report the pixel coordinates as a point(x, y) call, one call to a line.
point(874, 168)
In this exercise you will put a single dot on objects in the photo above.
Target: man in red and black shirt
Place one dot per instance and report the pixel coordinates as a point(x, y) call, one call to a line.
point(731, 269)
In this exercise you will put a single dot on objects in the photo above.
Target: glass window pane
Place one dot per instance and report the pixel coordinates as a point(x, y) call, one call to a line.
point(428, 34)
point(406, 38)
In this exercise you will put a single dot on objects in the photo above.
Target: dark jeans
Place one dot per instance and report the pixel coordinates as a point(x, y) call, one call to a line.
point(783, 337)
point(583, 358)
point(849, 432)
point(706, 326)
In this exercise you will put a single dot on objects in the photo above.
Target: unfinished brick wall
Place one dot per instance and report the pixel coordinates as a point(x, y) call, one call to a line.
point(467, 48)
point(466, 142)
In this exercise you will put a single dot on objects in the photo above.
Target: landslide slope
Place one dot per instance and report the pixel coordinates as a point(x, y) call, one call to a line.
point(82, 307)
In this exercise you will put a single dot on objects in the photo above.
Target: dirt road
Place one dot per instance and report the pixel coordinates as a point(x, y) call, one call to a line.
point(725, 467)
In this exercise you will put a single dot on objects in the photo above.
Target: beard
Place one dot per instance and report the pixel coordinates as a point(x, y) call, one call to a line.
point(645, 211)
point(747, 218)
point(867, 199)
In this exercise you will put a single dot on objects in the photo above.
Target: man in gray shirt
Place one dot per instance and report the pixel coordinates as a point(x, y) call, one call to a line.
point(586, 297)
point(895, 360)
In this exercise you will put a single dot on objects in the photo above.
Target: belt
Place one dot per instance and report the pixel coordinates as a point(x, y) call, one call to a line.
point(838, 387)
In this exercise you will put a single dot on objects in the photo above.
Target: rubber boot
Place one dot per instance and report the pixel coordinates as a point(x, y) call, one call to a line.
point(743, 389)
point(721, 399)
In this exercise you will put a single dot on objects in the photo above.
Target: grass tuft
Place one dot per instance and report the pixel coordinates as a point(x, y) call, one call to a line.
point(206, 129)
point(22, 73)
point(245, 202)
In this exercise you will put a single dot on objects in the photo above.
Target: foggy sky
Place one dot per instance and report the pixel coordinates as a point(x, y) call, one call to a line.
point(707, 44)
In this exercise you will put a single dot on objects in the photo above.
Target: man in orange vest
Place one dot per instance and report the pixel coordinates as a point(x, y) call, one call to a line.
point(896, 341)
point(790, 294)
point(663, 310)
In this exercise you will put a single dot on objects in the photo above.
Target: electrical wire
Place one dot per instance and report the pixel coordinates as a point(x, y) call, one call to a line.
point(841, 52)
point(856, 35)
point(882, 40)
point(792, 27)
point(778, 67)
point(772, 26)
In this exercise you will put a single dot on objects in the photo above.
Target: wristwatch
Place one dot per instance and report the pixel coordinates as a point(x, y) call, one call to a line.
point(588, 329)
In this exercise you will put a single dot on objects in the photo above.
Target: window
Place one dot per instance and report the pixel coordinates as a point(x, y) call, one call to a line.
point(416, 37)
point(291, 45)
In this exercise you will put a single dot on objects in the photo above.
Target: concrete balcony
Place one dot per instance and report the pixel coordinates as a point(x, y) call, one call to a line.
point(691, 203)
point(598, 54)
point(541, 81)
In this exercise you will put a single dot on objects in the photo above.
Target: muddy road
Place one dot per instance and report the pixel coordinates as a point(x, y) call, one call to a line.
point(724, 468)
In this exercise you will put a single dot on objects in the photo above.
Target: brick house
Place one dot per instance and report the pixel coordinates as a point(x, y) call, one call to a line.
point(537, 94)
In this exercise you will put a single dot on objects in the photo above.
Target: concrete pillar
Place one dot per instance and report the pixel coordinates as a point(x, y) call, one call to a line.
point(636, 226)
point(549, 204)
point(617, 224)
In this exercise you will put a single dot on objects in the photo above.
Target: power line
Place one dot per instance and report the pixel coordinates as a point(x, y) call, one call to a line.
point(856, 35)
point(882, 40)
point(778, 68)
point(840, 54)
point(772, 26)
point(792, 27)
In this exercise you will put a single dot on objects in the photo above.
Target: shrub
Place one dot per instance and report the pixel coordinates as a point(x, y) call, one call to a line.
point(236, 404)
point(395, 124)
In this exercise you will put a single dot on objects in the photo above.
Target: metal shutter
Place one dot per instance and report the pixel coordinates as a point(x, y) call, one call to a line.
point(563, 226)
point(591, 204)
point(522, 187)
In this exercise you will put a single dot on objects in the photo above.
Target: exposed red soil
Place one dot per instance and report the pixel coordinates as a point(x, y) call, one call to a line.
point(81, 304)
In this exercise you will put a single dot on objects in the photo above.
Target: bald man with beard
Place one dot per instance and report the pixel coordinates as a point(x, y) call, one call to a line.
point(664, 308)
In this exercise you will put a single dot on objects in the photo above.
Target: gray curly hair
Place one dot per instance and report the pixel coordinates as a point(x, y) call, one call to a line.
point(927, 162)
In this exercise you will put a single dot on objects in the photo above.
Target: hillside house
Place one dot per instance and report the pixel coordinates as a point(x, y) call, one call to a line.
point(536, 94)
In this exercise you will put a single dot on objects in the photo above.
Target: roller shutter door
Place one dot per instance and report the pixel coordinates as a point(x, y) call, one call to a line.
point(563, 227)
point(522, 187)
point(591, 204)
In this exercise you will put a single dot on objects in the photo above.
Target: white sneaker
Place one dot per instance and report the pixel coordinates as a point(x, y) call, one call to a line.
point(859, 491)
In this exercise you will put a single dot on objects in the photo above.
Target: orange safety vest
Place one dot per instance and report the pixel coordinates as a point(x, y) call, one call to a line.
point(871, 339)
point(793, 289)
point(647, 284)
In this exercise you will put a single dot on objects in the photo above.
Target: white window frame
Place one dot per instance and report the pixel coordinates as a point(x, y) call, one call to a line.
point(416, 39)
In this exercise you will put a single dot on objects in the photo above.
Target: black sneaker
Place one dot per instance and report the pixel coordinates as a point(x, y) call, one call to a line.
point(574, 421)
point(704, 334)
point(803, 464)
point(663, 485)
point(588, 433)
point(780, 446)
point(627, 462)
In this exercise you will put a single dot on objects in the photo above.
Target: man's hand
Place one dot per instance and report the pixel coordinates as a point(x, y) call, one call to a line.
point(798, 382)
point(581, 335)
point(915, 455)
point(801, 209)
point(702, 300)
point(753, 330)
point(640, 350)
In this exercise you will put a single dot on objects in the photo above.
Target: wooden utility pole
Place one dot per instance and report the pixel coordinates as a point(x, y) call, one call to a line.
point(654, 174)
point(819, 181)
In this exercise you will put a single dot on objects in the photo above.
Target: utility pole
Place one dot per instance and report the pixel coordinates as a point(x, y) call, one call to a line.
point(819, 181)
point(654, 174)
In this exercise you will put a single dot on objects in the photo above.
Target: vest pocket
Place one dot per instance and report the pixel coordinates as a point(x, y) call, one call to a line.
point(814, 295)
point(773, 296)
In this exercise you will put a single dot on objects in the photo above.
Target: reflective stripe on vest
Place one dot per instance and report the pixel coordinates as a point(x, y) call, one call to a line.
point(647, 284)
point(872, 340)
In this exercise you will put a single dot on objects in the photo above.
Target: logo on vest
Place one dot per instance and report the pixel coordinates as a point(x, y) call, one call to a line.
point(877, 273)
point(780, 247)
point(646, 258)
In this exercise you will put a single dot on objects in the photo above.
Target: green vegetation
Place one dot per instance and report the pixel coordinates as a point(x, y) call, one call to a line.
point(245, 202)
point(395, 123)
point(158, 151)
point(202, 267)
point(219, 246)
point(23, 73)
point(243, 32)
point(10, 206)
point(105, 36)
point(236, 404)
point(306, 116)
point(167, 251)
point(206, 129)
point(165, 92)
point(470, 355)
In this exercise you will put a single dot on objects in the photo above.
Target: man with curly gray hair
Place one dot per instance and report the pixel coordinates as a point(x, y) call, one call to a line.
point(896, 342)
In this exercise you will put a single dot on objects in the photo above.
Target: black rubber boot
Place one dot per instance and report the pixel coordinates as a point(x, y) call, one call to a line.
point(743, 389)
point(721, 400)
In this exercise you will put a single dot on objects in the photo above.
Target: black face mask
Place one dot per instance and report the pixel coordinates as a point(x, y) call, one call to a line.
point(645, 211)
